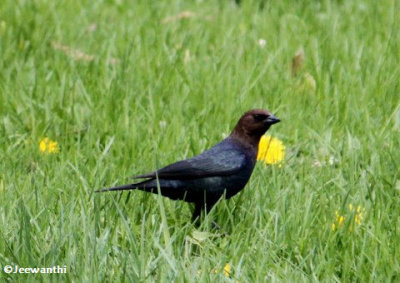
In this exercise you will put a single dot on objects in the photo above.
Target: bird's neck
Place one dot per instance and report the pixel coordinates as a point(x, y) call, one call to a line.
point(246, 140)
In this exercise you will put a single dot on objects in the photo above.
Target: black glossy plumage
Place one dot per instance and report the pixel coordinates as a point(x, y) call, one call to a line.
point(221, 170)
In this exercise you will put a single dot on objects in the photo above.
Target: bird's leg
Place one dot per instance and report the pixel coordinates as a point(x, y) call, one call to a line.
point(209, 205)
point(208, 208)
point(197, 213)
point(215, 225)
point(198, 208)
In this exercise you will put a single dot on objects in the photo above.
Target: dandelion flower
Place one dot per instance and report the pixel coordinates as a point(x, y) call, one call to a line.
point(47, 145)
point(270, 150)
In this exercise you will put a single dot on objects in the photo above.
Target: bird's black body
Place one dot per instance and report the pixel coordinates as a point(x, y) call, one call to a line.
point(222, 170)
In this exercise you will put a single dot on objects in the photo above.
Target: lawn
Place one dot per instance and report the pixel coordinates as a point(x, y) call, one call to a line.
point(119, 88)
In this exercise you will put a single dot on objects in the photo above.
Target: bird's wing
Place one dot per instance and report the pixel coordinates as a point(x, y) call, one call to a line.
point(216, 161)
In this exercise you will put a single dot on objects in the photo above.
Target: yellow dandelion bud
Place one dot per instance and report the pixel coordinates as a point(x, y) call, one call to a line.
point(47, 145)
point(270, 150)
point(341, 220)
point(356, 219)
point(226, 271)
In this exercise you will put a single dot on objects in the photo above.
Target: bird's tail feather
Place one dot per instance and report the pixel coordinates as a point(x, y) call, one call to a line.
point(118, 188)
point(133, 186)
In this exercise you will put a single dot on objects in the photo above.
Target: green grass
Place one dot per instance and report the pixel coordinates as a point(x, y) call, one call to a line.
point(177, 88)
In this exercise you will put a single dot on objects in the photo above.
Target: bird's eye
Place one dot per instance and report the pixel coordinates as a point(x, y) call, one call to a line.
point(260, 117)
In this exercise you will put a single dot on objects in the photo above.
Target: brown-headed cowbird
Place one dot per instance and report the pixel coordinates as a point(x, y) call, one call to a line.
point(224, 169)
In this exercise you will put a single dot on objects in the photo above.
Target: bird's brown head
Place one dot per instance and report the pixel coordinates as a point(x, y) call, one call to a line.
point(253, 124)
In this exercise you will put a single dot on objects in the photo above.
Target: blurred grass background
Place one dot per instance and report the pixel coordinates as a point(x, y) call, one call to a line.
point(124, 87)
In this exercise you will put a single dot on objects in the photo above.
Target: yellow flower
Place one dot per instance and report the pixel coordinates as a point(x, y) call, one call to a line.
point(47, 145)
point(358, 216)
point(270, 150)
point(227, 270)
point(339, 219)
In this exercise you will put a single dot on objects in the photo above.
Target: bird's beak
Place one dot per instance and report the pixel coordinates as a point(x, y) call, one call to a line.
point(271, 120)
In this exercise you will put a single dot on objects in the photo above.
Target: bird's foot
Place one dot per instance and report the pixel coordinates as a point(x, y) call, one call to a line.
point(215, 225)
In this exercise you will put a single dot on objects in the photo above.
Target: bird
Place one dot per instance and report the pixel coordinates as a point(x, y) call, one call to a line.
point(221, 171)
